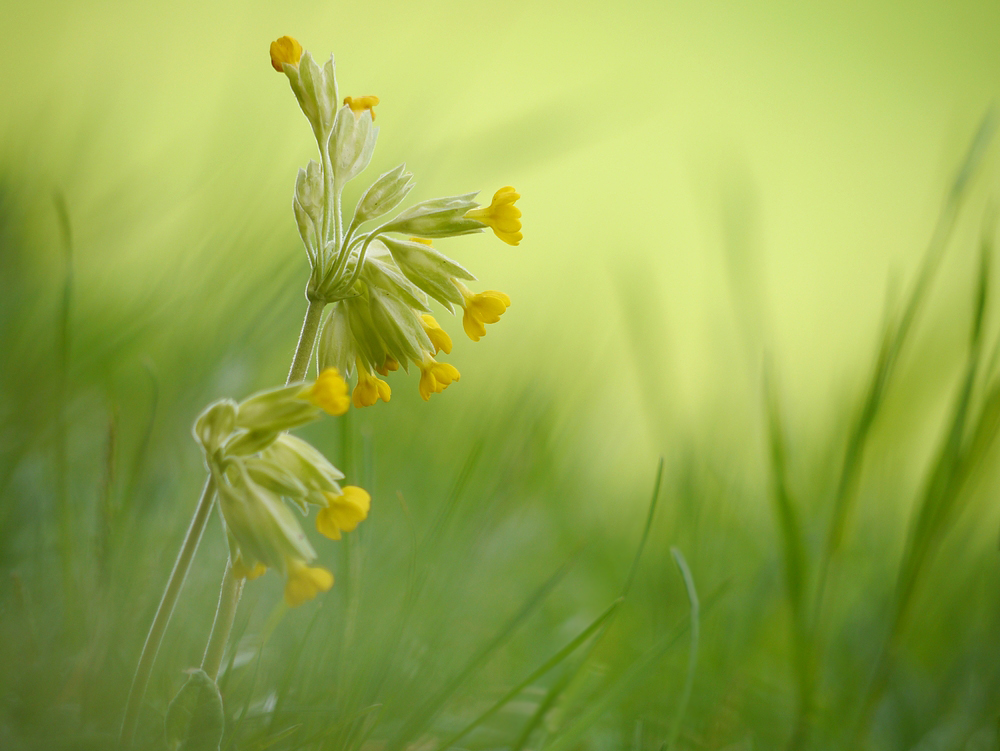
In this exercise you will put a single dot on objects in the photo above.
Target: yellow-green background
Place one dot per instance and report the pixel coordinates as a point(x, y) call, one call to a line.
point(702, 183)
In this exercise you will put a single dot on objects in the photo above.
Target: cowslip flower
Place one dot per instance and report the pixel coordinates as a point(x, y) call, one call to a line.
point(435, 376)
point(344, 512)
point(305, 582)
point(369, 389)
point(328, 392)
point(285, 51)
point(502, 216)
point(362, 103)
point(480, 309)
point(438, 336)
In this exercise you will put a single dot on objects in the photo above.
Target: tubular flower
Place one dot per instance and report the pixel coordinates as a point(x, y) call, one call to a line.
point(305, 582)
point(329, 392)
point(362, 103)
point(480, 309)
point(343, 512)
point(438, 336)
point(369, 389)
point(389, 364)
point(502, 216)
point(435, 376)
point(285, 50)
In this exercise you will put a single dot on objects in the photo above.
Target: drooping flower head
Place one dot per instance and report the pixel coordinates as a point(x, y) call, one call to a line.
point(375, 268)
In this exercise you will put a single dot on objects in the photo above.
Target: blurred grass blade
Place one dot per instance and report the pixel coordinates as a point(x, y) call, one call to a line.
point(796, 562)
point(617, 690)
point(692, 594)
point(645, 530)
point(64, 511)
point(942, 490)
point(893, 339)
point(549, 664)
point(426, 712)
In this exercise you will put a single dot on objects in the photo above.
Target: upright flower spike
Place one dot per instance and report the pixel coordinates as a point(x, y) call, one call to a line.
point(502, 216)
point(369, 389)
point(435, 376)
point(344, 512)
point(329, 392)
point(480, 309)
point(362, 103)
point(285, 51)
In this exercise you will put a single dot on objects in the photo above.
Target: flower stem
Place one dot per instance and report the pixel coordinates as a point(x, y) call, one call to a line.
point(232, 587)
point(229, 599)
point(163, 613)
point(307, 341)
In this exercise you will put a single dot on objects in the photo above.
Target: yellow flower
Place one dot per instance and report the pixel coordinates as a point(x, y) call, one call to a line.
point(285, 50)
point(362, 103)
point(438, 336)
point(501, 215)
point(305, 582)
point(389, 364)
point(329, 392)
point(343, 513)
point(369, 389)
point(480, 309)
point(435, 376)
point(242, 571)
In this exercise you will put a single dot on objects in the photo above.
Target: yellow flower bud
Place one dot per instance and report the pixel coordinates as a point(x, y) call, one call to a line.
point(285, 50)
point(438, 336)
point(328, 392)
point(435, 376)
point(369, 389)
point(390, 364)
point(480, 309)
point(362, 103)
point(305, 582)
point(501, 215)
point(344, 512)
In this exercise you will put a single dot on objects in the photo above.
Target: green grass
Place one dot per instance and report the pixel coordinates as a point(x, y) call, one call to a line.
point(830, 585)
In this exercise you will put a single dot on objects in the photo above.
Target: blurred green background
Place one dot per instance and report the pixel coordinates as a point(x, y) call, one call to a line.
point(726, 213)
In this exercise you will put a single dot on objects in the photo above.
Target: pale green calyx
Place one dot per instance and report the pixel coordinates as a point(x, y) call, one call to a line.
point(438, 217)
point(351, 144)
point(429, 270)
point(384, 195)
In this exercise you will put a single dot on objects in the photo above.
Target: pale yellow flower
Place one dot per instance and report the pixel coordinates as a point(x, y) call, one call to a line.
point(305, 582)
point(480, 309)
point(369, 389)
point(343, 513)
point(285, 50)
point(390, 364)
point(438, 336)
point(435, 376)
point(362, 103)
point(328, 392)
point(502, 216)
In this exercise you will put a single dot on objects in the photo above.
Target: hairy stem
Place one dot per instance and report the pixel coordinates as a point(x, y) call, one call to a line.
point(229, 599)
point(307, 341)
point(164, 611)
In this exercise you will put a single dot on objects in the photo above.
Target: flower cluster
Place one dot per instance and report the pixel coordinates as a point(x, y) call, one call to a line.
point(379, 282)
point(261, 471)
